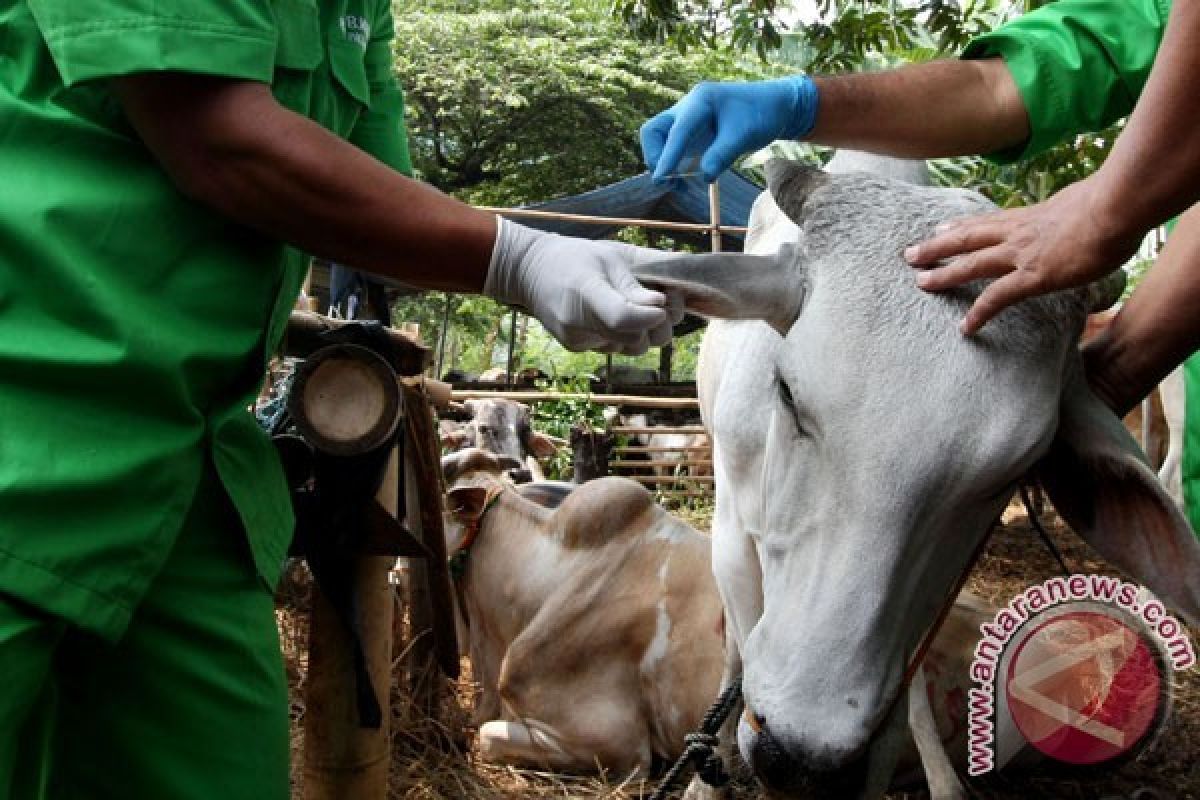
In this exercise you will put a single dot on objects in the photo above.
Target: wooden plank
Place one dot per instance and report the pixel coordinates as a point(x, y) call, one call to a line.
point(624, 222)
point(600, 399)
point(672, 478)
point(683, 462)
point(699, 448)
point(631, 429)
point(424, 505)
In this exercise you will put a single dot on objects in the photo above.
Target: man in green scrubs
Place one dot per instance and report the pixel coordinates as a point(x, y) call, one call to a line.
point(153, 157)
point(1069, 67)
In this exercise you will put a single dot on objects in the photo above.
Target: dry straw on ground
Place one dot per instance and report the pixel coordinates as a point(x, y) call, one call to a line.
point(434, 760)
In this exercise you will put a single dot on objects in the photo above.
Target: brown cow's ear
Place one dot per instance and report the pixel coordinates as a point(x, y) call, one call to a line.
point(541, 445)
point(466, 502)
point(1097, 478)
point(733, 285)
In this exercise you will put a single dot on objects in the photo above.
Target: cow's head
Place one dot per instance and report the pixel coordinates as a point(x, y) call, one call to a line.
point(498, 426)
point(893, 443)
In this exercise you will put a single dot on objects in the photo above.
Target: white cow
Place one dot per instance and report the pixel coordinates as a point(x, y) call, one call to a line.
point(863, 448)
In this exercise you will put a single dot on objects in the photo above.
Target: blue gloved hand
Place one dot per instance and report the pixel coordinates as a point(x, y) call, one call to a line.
point(720, 121)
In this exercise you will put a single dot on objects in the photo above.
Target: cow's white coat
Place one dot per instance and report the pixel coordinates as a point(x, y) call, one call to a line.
point(863, 447)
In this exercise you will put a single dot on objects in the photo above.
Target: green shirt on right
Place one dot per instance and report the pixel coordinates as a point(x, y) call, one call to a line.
point(1078, 64)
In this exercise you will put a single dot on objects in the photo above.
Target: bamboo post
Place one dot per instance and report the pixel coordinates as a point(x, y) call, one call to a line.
point(512, 349)
point(714, 214)
point(442, 336)
point(459, 395)
point(433, 641)
point(617, 222)
point(342, 760)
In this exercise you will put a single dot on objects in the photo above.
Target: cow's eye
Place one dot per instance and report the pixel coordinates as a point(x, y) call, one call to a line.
point(789, 402)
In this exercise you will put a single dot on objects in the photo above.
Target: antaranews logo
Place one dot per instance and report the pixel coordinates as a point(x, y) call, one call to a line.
point(1080, 666)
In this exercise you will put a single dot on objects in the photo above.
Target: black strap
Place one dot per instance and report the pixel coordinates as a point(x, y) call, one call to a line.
point(334, 527)
point(1032, 514)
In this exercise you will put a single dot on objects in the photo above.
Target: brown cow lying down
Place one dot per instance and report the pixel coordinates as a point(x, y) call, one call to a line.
point(595, 627)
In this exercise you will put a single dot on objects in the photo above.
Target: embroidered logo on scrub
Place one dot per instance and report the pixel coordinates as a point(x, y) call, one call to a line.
point(356, 29)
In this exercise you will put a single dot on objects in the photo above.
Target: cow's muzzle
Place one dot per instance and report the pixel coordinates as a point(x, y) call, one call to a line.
point(790, 774)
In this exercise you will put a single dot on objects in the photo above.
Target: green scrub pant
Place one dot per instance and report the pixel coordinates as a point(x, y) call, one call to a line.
point(190, 704)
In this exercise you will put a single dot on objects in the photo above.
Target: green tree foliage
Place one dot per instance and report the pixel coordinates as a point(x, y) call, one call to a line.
point(845, 36)
point(515, 103)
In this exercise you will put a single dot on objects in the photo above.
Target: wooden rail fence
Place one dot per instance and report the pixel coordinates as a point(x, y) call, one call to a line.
point(671, 471)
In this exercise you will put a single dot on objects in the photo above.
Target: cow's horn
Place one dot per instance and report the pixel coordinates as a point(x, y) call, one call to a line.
point(791, 184)
point(1102, 294)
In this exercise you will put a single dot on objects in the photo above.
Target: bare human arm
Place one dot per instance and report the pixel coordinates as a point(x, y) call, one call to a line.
point(1156, 328)
point(921, 111)
point(230, 145)
point(941, 108)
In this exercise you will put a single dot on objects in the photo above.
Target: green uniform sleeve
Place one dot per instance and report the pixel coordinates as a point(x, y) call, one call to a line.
point(380, 130)
point(91, 39)
point(1078, 64)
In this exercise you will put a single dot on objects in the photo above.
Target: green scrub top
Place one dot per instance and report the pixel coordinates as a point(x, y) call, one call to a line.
point(1079, 65)
point(134, 322)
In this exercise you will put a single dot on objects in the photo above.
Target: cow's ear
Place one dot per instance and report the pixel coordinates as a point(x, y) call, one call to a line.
point(791, 184)
point(734, 285)
point(467, 502)
point(541, 445)
point(1098, 479)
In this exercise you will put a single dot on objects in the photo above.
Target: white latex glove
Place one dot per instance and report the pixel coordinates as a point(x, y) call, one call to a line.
point(581, 290)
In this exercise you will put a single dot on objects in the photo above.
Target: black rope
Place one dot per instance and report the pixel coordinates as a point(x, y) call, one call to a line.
point(1037, 526)
point(700, 747)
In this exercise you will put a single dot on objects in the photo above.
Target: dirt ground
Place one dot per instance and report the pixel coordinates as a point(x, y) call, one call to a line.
point(434, 759)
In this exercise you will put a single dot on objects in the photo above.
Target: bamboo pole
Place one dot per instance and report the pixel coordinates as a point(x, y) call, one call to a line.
point(588, 219)
point(342, 760)
point(680, 462)
point(512, 348)
point(603, 399)
point(635, 429)
point(714, 215)
point(431, 607)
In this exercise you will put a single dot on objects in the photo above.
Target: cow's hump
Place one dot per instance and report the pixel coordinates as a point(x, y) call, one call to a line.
point(603, 509)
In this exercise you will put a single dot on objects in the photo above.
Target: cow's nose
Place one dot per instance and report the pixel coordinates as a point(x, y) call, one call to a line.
point(781, 772)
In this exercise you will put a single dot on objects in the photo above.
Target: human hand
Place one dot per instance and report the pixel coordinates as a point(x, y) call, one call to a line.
point(582, 291)
point(1066, 241)
point(720, 121)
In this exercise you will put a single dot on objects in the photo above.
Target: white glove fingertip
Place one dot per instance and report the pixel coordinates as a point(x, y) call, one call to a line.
point(646, 297)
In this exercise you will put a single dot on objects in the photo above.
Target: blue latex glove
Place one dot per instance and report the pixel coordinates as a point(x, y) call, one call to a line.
point(720, 121)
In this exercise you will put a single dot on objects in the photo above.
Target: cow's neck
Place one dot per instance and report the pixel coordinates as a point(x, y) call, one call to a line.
point(503, 581)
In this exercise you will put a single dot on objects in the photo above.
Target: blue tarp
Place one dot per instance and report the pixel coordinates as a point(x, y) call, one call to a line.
point(681, 200)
